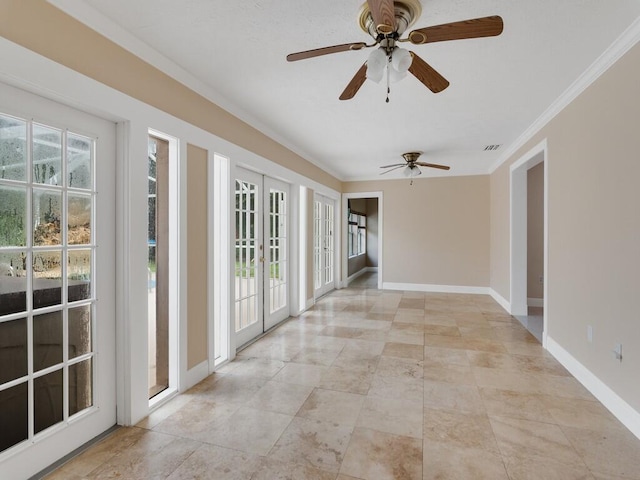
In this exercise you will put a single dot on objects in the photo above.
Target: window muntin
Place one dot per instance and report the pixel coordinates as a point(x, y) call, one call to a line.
point(357, 234)
point(47, 254)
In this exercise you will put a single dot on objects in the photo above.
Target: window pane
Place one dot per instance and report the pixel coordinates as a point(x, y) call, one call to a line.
point(79, 219)
point(47, 398)
point(47, 155)
point(47, 212)
point(13, 283)
point(14, 415)
point(13, 350)
point(13, 148)
point(80, 386)
point(79, 161)
point(79, 275)
point(47, 278)
point(13, 219)
point(47, 340)
point(79, 331)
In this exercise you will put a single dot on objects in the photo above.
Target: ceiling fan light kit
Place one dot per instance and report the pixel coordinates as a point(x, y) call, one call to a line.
point(386, 21)
point(412, 166)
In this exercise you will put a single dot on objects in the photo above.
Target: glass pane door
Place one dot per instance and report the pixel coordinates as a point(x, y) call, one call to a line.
point(277, 261)
point(249, 254)
point(323, 245)
point(56, 241)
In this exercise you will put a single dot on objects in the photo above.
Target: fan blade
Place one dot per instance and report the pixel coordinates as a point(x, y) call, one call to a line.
point(427, 75)
point(474, 28)
point(292, 57)
point(384, 15)
point(433, 165)
point(394, 165)
point(396, 168)
point(355, 83)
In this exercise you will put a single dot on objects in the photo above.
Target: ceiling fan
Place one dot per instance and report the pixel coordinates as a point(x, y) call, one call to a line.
point(386, 21)
point(412, 165)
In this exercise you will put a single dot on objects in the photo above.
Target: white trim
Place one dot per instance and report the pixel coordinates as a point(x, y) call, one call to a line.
point(196, 374)
point(105, 26)
point(624, 412)
point(535, 302)
point(361, 272)
point(611, 55)
point(425, 287)
point(500, 299)
point(518, 225)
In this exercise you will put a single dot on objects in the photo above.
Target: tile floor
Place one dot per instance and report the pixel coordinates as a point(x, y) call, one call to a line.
point(378, 385)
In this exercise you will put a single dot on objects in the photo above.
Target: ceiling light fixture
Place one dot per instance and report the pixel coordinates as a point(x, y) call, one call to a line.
point(411, 171)
point(395, 60)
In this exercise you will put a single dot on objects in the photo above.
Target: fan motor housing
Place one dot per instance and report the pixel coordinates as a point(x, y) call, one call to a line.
point(406, 12)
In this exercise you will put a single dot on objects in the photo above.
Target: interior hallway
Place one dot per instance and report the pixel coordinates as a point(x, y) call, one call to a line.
point(379, 385)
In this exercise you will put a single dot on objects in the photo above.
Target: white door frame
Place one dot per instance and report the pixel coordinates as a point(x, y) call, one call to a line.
point(345, 213)
point(29, 457)
point(518, 231)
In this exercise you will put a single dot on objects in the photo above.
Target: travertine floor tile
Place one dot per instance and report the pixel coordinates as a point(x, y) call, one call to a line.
point(343, 380)
point(374, 455)
point(331, 406)
point(210, 462)
point(313, 443)
point(397, 387)
point(373, 384)
point(444, 462)
point(403, 350)
point(280, 397)
point(448, 396)
point(392, 415)
point(610, 452)
point(459, 430)
point(250, 430)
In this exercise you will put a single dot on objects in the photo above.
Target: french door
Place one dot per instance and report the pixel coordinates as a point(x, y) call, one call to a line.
point(261, 254)
point(57, 281)
point(323, 245)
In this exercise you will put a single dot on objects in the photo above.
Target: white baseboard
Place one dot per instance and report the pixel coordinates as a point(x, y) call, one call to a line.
point(629, 417)
point(360, 272)
point(535, 302)
point(195, 375)
point(500, 299)
point(423, 287)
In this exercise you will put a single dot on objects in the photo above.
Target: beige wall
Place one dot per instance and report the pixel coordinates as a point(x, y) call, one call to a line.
point(372, 232)
point(594, 226)
point(435, 231)
point(197, 234)
point(535, 231)
point(39, 26)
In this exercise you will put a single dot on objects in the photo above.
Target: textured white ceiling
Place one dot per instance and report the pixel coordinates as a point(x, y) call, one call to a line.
point(499, 85)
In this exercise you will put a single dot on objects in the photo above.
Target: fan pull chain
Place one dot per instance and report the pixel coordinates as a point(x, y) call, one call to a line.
point(388, 82)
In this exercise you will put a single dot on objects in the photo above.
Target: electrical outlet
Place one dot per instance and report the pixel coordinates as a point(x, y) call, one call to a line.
point(617, 352)
point(541, 280)
point(589, 333)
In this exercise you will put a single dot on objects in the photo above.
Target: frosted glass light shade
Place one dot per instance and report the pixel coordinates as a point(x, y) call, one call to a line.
point(401, 60)
point(375, 65)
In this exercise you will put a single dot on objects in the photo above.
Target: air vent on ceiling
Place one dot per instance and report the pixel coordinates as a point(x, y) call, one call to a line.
point(491, 147)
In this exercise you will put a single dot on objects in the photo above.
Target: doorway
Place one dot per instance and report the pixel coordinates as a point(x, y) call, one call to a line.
point(261, 254)
point(529, 234)
point(363, 233)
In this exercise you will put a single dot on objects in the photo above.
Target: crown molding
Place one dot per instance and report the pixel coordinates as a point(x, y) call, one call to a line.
point(106, 27)
point(611, 55)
